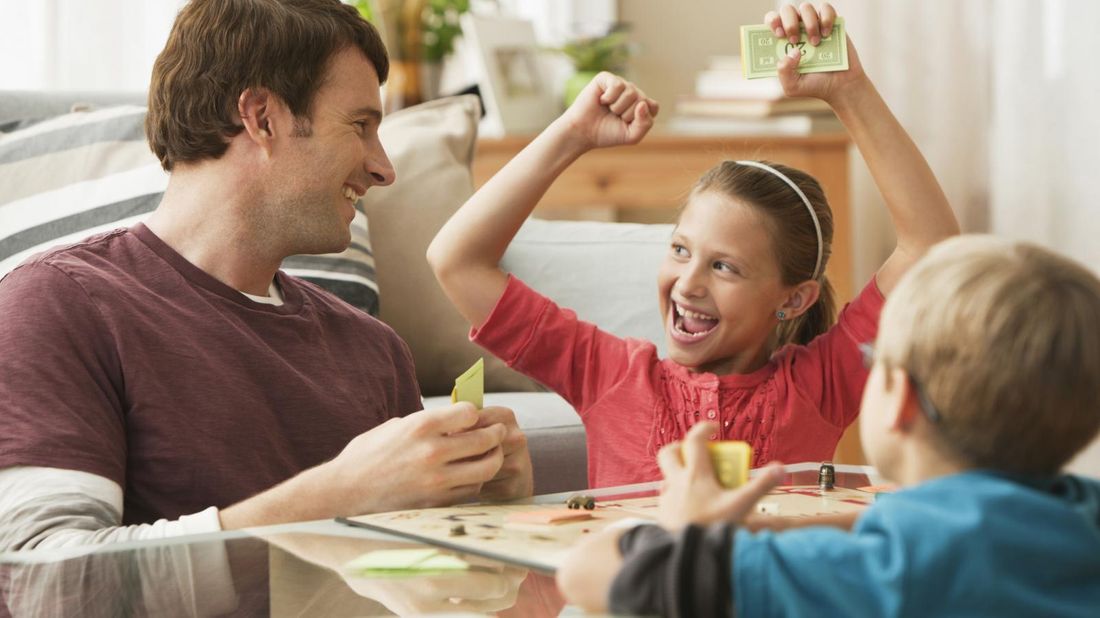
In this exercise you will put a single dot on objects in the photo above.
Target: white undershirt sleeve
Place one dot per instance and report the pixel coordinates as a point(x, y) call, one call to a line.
point(48, 508)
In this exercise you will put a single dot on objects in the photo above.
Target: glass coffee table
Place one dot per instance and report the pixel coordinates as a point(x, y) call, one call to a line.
point(294, 570)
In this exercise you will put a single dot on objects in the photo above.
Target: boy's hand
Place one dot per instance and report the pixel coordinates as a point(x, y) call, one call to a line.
point(691, 493)
point(610, 111)
point(787, 22)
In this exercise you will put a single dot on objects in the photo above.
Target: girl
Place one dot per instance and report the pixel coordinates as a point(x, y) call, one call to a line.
point(742, 290)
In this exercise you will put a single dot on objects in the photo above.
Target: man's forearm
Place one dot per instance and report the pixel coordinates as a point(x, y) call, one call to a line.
point(303, 497)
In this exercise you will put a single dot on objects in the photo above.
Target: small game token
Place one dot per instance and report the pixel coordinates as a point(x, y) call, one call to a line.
point(767, 508)
point(458, 530)
point(581, 502)
point(826, 476)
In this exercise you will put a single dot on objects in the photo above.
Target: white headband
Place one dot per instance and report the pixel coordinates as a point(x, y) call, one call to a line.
point(805, 200)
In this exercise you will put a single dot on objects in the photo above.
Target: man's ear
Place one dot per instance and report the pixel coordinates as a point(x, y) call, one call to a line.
point(256, 107)
point(800, 299)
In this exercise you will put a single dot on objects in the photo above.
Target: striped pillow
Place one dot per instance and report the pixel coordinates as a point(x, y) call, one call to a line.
point(75, 175)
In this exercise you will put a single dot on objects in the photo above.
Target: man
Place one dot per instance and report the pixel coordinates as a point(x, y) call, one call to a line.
point(167, 378)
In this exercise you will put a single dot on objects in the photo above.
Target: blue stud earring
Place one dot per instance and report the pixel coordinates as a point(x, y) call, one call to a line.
point(781, 315)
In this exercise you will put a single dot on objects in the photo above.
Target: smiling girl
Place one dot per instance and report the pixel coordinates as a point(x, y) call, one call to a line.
point(748, 311)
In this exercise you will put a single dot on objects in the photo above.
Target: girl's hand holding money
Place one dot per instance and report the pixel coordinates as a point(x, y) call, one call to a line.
point(831, 87)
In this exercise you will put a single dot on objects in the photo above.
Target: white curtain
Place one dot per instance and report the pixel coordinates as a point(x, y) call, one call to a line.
point(929, 59)
point(1045, 128)
point(1000, 97)
point(82, 44)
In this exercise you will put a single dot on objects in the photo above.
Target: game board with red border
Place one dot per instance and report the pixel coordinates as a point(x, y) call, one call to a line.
point(538, 534)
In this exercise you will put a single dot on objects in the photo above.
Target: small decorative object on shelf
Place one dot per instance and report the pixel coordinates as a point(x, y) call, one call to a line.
point(423, 37)
point(725, 103)
point(365, 9)
point(590, 55)
point(504, 56)
point(440, 26)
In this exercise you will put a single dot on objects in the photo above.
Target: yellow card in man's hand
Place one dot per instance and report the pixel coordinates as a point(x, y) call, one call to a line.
point(731, 459)
point(470, 386)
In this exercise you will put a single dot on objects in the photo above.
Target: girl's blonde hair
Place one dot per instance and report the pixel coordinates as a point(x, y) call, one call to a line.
point(1005, 338)
point(794, 236)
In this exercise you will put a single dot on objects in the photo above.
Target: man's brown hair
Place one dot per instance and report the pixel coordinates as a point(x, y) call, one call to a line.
point(1005, 338)
point(219, 48)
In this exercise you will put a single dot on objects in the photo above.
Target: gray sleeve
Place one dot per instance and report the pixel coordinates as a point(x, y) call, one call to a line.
point(686, 574)
point(47, 508)
point(32, 522)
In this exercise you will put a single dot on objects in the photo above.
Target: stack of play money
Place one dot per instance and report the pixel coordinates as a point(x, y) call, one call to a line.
point(761, 51)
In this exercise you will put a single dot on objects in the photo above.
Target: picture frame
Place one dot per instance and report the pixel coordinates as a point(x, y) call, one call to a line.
point(510, 75)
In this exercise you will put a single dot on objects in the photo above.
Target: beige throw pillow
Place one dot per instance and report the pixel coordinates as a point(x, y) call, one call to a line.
point(431, 146)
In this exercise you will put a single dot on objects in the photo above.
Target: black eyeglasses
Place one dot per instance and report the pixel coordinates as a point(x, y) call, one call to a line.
point(930, 411)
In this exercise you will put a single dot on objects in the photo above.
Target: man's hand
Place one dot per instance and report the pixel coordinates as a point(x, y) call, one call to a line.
point(516, 477)
point(788, 22)
point(610, 111)
point(691, 494)
point(428, 458)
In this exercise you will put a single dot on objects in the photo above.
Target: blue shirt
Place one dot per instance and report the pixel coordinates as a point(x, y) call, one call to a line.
point(975, 543)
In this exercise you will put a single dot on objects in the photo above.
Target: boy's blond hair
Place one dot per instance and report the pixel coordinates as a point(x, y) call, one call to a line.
point(1005, 338)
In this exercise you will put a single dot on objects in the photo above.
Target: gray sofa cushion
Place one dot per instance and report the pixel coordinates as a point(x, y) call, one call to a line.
point(23, 105)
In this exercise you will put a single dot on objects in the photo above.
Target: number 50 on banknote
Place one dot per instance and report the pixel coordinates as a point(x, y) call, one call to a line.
point(761, 51)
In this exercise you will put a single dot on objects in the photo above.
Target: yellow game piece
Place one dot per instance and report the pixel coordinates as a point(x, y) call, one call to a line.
point(470, 386)
point(731, 460)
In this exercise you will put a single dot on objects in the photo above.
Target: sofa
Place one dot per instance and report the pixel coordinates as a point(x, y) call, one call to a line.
point(72, 164)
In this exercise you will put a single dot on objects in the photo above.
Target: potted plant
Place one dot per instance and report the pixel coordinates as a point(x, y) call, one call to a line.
point(590, 55)
point(423, 37)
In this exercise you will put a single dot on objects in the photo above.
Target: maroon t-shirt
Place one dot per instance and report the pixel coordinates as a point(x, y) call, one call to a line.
point(120, 358)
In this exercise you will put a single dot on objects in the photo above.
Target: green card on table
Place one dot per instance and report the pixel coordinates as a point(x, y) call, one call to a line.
point(405, 562)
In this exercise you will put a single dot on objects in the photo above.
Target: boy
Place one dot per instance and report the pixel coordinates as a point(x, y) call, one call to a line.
point(984, 382)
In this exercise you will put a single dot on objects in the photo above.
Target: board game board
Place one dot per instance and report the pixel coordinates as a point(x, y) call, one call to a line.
point(488, 530)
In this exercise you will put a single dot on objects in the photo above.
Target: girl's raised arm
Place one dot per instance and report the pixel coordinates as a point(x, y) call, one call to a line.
point(465, 254)
point(918, 207)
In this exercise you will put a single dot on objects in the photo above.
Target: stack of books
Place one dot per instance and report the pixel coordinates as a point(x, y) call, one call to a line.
point(725, 103)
